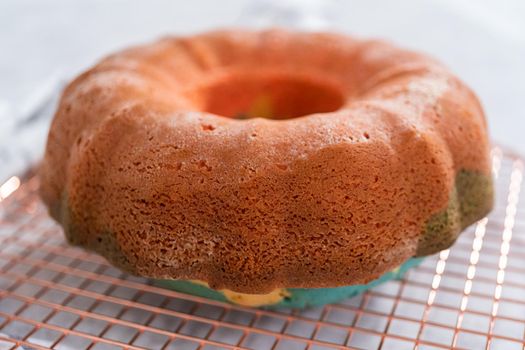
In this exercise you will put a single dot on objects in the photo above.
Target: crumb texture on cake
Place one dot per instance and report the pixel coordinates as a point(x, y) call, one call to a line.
point(367, 155)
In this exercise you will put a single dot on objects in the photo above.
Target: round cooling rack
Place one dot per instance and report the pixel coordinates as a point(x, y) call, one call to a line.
point(53, 296)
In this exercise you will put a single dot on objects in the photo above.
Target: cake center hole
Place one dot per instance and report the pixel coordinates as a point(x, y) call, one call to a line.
point(281, 97)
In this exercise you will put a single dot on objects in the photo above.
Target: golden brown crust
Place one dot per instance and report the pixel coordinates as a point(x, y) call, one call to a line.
point(253, 205)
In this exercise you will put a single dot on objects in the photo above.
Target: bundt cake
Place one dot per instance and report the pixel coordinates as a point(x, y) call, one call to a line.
point(260, 166)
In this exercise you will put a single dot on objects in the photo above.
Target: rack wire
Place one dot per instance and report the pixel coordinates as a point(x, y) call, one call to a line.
point(54, 296)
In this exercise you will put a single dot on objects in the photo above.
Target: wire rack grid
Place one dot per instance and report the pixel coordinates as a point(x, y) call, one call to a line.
point(53, 296)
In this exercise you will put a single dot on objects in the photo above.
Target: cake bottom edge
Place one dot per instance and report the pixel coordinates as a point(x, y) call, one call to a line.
point(286, 297)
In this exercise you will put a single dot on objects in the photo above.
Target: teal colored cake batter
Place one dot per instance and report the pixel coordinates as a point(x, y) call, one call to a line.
point(296, 297)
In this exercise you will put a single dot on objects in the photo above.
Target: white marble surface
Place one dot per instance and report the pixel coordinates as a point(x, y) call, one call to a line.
point(43, 42)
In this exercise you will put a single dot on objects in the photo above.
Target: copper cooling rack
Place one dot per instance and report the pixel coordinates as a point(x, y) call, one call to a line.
point(471, 296)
